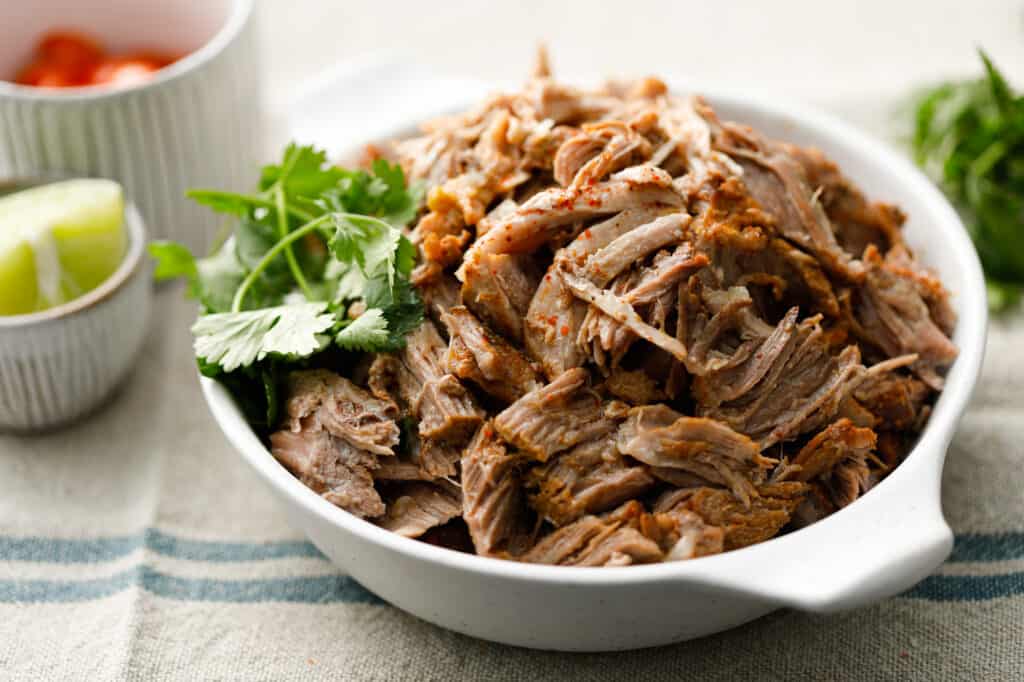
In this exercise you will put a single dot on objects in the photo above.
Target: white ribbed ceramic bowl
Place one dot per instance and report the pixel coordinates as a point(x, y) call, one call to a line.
point(877, 547)
point(196, 124)
point(61, 364)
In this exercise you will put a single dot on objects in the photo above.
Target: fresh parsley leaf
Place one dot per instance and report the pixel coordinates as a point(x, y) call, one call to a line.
point(303, 171)
point(233, 340)
point(969, 137)
point(173, 260)
point(218, 277)
point(253, 238)
point(400, 304)
point(397, 203)
point(231, 203)
point(212, 280)
point(1001, 92)
point(374, 245)
point(312, 240)
point(402, 319)
point(384, 194)
point(405, 256)
point(347, 279)
point(368, 332)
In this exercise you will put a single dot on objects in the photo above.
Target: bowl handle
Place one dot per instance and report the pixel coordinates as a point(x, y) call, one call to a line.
point(878, 547)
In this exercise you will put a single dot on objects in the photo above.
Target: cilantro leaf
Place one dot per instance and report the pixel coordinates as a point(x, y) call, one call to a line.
point(303, 172)
point(374, 245)
point(383, 194)
point(368, 332)
point(1001, 92)
point(219, 275)
point(969, 137)
point(254, 238)
point(402, 319)
point(310, 241)
point(233, 340)
point(347, 280)
point(173, 260)
point(232, 203)
point(212, 280)
point(397, 203)
point(400, 304)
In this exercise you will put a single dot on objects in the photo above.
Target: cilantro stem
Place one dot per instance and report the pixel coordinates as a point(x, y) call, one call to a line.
point(269, 256)
point(289, 254)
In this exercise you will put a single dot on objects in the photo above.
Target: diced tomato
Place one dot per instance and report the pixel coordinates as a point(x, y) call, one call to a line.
point(125, 70)
point(42, 75)
point(68, 48)
point(68, 59)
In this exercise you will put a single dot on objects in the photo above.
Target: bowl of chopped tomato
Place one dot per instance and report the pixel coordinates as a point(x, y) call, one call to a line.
point(74, 59)
point(157, 96)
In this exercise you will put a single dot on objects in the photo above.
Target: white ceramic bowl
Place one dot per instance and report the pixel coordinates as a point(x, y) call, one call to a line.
point(877, 547)
point(196, 124)
point(60, 364)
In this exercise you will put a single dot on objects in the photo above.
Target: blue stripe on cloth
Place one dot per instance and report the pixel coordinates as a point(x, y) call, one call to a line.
point(66, 551)
point(59, 551)
point(335, 589)
point(345, 590)
point(968, 547)
point(202, 550)
point(967, 587)
point(309, 590)
point(988, 547)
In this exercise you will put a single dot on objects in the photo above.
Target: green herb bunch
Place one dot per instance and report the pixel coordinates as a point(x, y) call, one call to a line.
point(316, 265)
point(970, 138)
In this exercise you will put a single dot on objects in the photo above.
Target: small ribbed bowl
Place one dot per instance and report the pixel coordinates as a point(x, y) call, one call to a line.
point(60, 364)
point(197, 123)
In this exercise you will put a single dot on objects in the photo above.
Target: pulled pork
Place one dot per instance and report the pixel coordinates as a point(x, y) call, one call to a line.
point(652, 336)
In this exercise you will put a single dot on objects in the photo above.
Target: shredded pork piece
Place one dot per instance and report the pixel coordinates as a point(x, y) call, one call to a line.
point(590, 478)
point(537, 219)
point(768, 512)
point(443, 406)
point(489, 361)
point(558, 416)
point(498, 288)
point(775, 343)
point(661, 437)
point(493, 503)
point(593, 541)
point(333, 432)
point(416, 507)
point(889, 313)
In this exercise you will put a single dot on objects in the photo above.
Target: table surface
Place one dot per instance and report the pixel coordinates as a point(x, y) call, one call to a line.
point(196, 569)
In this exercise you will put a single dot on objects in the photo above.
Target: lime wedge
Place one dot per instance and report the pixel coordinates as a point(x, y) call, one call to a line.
point(58, 241)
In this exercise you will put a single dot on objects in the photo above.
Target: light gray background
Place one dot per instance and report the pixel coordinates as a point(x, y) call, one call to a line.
point(816, 51)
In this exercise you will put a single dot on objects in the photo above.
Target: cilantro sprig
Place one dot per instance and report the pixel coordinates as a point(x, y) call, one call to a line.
point(969, 137)
point(313, 244)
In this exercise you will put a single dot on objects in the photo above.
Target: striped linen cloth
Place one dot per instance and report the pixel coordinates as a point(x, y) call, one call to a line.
point(138, 546)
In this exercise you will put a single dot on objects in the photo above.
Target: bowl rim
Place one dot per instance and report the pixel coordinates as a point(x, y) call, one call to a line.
point(240, 12)
point(131, 263)
point(925, 460)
